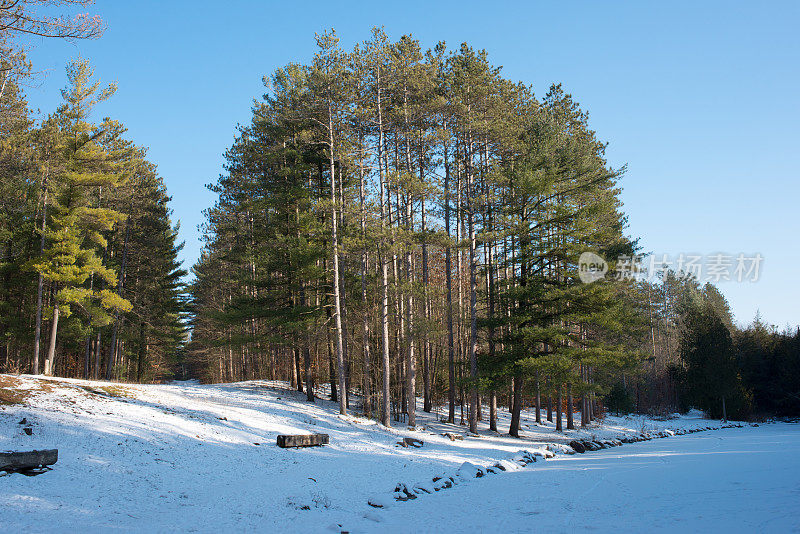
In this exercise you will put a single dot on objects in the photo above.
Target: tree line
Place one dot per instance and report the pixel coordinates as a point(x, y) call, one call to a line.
point(90, 282)
point(396, 219)
point(701, 359)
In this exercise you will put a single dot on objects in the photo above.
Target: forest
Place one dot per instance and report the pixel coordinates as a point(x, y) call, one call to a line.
point(90, 280)
point(408, 223)
point(395, 224)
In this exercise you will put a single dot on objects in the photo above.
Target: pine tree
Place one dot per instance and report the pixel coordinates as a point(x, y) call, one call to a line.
point(77, 227)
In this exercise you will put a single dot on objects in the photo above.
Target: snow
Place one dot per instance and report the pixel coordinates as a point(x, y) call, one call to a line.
point(202, 458)
point(733, 480)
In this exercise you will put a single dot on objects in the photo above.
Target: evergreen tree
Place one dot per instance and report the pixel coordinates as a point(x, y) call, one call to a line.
point(77, 227)
point(710, 376)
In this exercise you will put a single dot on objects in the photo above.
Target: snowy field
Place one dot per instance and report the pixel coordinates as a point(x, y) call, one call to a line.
point(733, 480)
point(202, 458)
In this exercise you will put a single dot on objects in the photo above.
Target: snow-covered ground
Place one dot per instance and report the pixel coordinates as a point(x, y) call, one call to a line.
point(731, 480)
point(202, 458)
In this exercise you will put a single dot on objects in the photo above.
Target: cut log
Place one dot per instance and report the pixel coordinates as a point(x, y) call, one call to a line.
point(302, 440)
point(21, 461)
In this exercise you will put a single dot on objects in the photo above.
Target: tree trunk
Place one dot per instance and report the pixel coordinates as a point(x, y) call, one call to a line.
point(559, 427)
point(365, 343)
point(427, 404)
point(88, 357)
point(142, 352)
point(570, 409)
point(493, 410)
point(308, 371)
point(51, 351)
point(98, 351)
point(115, 329)
point(337, 298)
point(517, 407)
point(451, 371)
point(411, 363)
point(37, 332)
point(473, 301)
point(298, 373)
point(331, 367)
point(538, 401)
point(385, 363)
point(584, 411)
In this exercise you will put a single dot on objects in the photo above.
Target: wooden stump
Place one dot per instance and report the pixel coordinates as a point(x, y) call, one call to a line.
point(21, 461)
point(302, 440)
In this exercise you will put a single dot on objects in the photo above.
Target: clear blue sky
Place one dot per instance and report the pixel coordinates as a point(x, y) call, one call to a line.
point(700, 99)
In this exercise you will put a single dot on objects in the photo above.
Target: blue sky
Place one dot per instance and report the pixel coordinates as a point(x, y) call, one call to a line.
point(701, 101)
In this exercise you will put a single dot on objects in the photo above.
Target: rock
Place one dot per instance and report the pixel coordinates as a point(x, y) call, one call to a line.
point(469, 470)
point(24, 421)
point(413, 442)
point(402, 493)
point(523, 458)
point(423, 488)
point(577, 446)
point(440, 483)
point(506, 465)
point(28, 430)
point(452, 436)
point(378, 501)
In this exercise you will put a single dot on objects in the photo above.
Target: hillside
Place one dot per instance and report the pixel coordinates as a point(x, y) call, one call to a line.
point(203, 457)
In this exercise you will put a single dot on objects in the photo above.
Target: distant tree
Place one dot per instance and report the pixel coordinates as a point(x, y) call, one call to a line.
point(710, 375)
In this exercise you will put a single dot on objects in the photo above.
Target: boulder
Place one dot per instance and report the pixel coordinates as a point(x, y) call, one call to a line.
point(577, 446)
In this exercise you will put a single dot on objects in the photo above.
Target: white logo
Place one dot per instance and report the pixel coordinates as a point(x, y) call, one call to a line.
point(591, 267)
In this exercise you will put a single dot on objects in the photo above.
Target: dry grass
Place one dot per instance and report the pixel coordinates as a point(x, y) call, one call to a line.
point(109, 391)
point(9, 394)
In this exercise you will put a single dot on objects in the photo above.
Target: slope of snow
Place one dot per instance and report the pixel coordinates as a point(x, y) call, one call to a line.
point(202, 458)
